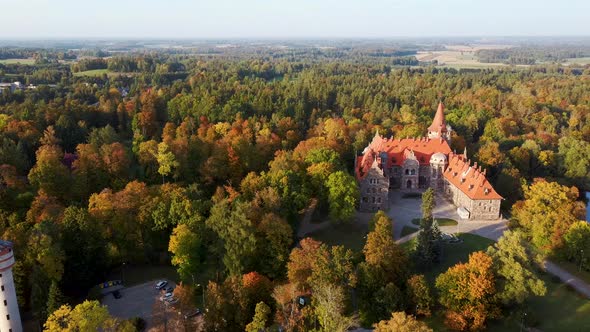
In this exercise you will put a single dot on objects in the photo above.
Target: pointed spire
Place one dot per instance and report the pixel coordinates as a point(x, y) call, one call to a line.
point(439, 124)
point(465, 152)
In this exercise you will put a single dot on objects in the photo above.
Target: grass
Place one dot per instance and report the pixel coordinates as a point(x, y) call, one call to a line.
point(440, 221)
point(351, 236)
point(407, 230)
point(94, 72)
point(28, 61)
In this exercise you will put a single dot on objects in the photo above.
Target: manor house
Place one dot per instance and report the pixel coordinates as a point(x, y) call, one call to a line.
point(414, 164)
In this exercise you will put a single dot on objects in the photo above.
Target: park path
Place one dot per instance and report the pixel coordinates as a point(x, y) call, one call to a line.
point(578, 284)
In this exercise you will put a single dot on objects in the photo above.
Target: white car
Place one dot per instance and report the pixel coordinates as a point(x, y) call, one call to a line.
point(161, 284)
point(166, 296)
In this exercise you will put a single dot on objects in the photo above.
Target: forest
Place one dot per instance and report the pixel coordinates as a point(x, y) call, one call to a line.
point(207, 162)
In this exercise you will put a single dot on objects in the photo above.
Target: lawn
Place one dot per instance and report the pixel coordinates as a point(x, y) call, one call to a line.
point(29, 61)
point(351, 236)
point(94, 72)
point(407, 230)
point(440, 221)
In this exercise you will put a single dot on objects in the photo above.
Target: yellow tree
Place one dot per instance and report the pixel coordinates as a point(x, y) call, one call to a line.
point(468, 292)
point(400, 322)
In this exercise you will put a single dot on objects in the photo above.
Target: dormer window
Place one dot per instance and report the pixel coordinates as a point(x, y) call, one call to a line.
point(486, 191)
point(470, 186)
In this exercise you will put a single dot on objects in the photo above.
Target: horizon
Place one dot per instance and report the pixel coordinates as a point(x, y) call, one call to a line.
point(306, 19)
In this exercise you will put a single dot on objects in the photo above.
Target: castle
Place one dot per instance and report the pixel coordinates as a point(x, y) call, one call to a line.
point(413, 164)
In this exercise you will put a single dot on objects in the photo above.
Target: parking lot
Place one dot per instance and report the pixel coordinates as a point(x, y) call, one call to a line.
point(137, 301)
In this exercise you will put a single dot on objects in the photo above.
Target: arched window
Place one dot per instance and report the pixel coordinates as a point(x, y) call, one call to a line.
point(413, 172)
point(407, 171)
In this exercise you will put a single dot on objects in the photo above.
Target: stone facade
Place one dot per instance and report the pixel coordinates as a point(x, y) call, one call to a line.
point(374, 190)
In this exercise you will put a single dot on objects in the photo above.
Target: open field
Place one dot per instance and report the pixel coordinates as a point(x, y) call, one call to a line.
point(95, 72)
point(579, 61)
point(460, 56)
point(29, 61)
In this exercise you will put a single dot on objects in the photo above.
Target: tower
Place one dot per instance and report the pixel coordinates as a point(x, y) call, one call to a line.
point(439, 128)
point(9, 314)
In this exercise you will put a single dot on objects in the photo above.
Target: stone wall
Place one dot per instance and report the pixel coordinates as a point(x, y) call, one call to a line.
point(478, 209)
point(374, 189)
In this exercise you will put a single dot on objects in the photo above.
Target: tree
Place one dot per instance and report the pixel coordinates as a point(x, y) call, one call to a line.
point(381, 275)
point(419, 295)
point(513, 263)
point(577, 244)
point(260, 319)
point(166, 160)
point(302, 260)
point(400, 322)
point(49, 173)
point(547, 212)
point(428, 203)
point(468, 291)
point(55, 298)
point(87, 316)
point(233, 227)
point(343, 193)
point(328, 303)
point(185, 247)
point(428, 249)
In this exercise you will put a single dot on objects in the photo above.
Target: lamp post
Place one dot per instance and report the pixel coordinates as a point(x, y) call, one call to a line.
point(203, 294)
point(123, 273)
point(581, 260)
point(523, 321)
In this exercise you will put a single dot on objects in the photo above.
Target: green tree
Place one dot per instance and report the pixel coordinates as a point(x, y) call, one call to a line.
point(233, 227)
point(343, 195)
point(428, 249)
point(428, 203)
point(260, 319)
point(577, 244)
point(513, 263)
point(49, 173)
point(55, 298)
point(185, 247)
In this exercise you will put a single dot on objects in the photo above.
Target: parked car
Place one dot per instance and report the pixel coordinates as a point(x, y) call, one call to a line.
point(161, 284)
point(169, 289)
point(117, 294)
point(166, 296)
point(172, 300)
point(193, 313)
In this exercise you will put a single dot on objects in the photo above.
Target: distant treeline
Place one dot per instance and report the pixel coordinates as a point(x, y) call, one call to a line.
point(532, 55)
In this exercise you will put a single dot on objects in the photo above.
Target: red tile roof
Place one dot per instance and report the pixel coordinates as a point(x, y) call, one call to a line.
point(398, 150)
point(469, 179)
point(439, 124)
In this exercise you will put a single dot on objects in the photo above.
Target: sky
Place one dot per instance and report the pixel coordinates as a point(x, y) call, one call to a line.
point(291, 18)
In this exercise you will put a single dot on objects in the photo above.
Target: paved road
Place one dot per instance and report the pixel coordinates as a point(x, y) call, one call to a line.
point(568, 278)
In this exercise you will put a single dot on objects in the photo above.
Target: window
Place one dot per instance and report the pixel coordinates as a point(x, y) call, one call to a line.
point(2, 287)
point(373, 200)
point(407, 171)
point(413, 172)
point(378, 199)
point(5, 303)
point(368, 190)
point(7, 317)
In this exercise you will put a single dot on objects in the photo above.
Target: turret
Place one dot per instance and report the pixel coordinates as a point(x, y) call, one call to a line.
point(439, 128)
